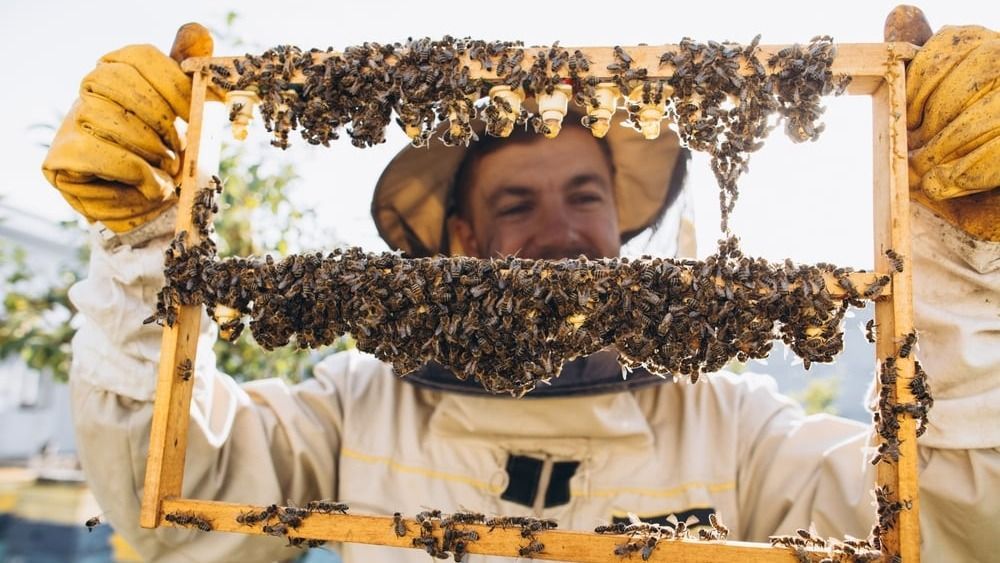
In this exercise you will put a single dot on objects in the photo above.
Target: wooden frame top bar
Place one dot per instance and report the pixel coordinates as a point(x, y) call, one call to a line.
point(864, 62)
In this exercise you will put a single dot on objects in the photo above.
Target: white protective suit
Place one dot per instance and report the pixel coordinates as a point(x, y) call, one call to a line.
point(356, 433)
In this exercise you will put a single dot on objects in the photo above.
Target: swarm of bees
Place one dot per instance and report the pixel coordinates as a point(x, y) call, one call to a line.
point(281, 521)
point(643, 537)
point(723, 99)
point(454, 539)
point(529, 527)
point(511, 323)
point(886, 417)
point(886, 412)
point(849, 549)
point(188, 520)
point(887, 509)
point(721, 95)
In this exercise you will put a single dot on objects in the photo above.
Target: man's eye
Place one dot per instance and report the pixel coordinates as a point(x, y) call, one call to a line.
point(587, 198)
point(513, 210)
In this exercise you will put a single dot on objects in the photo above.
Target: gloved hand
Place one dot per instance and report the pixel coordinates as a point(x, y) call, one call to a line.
point(116, 153)
point(953, 118)
point(953, 113)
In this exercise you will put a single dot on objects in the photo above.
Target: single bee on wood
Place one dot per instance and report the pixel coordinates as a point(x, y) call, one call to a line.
point(327, 507)
point(184, 369)
point(896, 259)
point(907, 346)
point(398, 524)
point(718, 526)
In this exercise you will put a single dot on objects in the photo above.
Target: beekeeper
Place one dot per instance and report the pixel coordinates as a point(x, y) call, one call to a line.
point(586, 449)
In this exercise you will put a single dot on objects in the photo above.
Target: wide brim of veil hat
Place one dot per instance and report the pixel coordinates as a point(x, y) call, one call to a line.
point(411, 199)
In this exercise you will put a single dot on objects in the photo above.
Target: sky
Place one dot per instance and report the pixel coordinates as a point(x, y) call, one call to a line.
point(810, 202)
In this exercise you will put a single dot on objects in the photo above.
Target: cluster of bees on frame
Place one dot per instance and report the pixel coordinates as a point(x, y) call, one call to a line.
point(511, 323)
point(806, 543)
point(643, 537)
point(282, 521)
point(189, 520)
point(721, 96)
point(887, 410)
point(455, 537)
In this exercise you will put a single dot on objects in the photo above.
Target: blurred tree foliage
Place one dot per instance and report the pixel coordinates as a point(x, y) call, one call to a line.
point(819, 395)
point(256, 216)
point(35, 314)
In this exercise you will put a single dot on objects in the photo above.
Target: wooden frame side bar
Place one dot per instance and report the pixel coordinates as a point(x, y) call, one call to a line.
point(894, 317)
point(171, 409)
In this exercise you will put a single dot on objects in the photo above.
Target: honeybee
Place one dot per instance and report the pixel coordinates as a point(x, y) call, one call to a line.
point(292, 520)
point(398, 524)
point(275, 529)
point(895, 258)
point(622, 56)
point(464, 518)
point(870, 330)
point(907, 346)
point(616, 528)
point(503, 104)
point(648, 546)
point(533, 547)
point(326, 507)
point(503, 522)
point(681, 528)
point(718, 526)
point(184, 369)
point(188, 519)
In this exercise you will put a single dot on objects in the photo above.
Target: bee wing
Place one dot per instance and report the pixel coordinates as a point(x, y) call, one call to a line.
point(692, 520)
point(625, 372)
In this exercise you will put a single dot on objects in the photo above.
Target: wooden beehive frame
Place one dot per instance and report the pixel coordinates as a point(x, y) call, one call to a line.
point(877, 70)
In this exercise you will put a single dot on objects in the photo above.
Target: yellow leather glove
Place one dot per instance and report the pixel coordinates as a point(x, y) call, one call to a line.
point(117, 152)
point(953, 113)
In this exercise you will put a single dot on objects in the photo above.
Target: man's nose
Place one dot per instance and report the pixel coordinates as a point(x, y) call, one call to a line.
point(557, 235)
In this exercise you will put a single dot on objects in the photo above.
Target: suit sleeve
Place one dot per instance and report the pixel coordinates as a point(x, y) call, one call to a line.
point(796, 470)
point(265, 442)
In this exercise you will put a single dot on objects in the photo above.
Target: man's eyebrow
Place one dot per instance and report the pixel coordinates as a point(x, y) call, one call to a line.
point(586, 178)
point(505, 191)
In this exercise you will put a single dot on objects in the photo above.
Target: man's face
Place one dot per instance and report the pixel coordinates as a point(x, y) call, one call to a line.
point(550, 198)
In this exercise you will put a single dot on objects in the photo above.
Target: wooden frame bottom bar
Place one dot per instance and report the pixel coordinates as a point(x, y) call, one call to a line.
point(559, 545)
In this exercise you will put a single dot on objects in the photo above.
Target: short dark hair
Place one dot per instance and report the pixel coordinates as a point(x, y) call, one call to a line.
point(458, 196)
